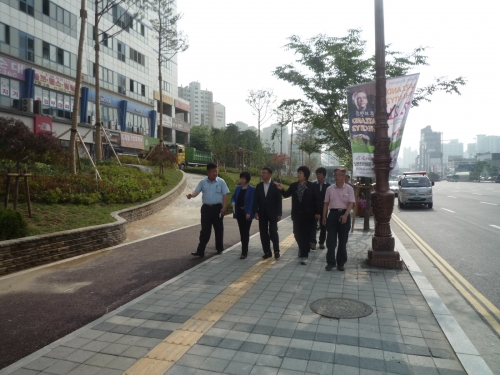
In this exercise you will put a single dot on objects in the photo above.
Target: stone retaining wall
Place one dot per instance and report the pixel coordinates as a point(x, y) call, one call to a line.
point(28, 252)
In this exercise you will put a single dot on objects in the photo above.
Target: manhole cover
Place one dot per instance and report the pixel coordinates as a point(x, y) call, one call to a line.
point(341, 308)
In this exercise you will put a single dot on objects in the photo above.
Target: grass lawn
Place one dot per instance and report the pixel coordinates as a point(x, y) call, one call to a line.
point(58, 217)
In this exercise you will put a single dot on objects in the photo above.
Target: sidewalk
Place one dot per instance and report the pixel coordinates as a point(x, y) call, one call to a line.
point(232, 316)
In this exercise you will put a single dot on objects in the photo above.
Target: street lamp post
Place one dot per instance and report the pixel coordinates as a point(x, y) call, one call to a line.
point(382, 253)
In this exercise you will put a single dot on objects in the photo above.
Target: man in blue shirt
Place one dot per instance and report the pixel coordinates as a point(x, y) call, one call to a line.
point(214, 200)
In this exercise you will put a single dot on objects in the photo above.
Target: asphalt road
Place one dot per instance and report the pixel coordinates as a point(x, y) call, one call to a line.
point(464, 228)
point(41, 306)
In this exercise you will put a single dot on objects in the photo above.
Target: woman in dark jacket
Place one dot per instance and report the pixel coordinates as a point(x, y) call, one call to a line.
point(305, 210)
point(242, 201)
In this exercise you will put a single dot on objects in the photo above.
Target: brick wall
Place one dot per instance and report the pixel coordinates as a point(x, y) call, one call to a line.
point(28, 252)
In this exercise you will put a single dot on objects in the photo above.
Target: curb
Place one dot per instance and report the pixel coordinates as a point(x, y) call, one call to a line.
point(465, 350)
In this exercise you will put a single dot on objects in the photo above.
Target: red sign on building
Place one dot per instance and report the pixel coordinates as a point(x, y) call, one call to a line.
point(43, 124)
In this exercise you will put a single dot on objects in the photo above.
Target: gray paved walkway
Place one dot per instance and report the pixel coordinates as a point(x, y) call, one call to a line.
point(270, 329)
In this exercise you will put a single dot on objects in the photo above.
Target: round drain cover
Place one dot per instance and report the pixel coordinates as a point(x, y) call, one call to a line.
point(341, 308)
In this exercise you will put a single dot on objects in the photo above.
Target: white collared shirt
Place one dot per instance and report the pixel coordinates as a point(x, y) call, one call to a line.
point(266, 186)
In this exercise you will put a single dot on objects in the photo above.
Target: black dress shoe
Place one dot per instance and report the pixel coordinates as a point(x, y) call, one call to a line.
point(329, 267)
point(340, 268)
point(196, 254)
point(265, 256)
point(277, 255)
point(219, 252)
point(243, 256)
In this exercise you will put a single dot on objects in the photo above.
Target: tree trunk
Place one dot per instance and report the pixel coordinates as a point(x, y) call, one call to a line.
point(98, 137)
point(76, 100)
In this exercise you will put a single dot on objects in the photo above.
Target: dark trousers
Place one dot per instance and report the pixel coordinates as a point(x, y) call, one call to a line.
point(244, 226)
point(322, 232)
point(268, 228)
point(335, 229)
point(302, 234)
point(211, 217)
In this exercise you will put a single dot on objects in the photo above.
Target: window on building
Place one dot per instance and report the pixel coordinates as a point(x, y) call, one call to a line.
point(46, 7)
point(54, 103)
point(121, 18)
point(137, 56)
point(143, 90)
point(60, 15)
point(60, 56)
point(26, 47)
point(26, 6)
point(4, 33)
point(121, 51)
point(143, 30)
point(104, 39)
point(122, 84)
point(46, 50)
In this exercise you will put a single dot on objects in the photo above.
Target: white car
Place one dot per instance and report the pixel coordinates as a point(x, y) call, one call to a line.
point(393, 185)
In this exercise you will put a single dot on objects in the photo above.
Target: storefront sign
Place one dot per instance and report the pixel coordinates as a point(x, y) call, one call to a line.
point(166, 99)
point(166, 121)
point(12, 68)
point(4, 87)
point(54, 82)
point(180, 125)
point(132, 140)
point(183, 106)
point(43, 124)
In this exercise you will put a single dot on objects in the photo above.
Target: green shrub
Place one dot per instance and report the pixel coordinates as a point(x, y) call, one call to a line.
point(12, 225)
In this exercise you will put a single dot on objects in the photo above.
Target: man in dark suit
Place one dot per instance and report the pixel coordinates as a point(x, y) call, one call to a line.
point(268, 210)
point(321, 185)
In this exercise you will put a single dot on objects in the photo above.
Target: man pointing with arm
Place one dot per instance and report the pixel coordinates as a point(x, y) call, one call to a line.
point(214, 206)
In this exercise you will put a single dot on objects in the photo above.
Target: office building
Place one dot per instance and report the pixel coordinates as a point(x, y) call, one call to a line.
point(430, 155)
point(241, 125)
point(38, 57)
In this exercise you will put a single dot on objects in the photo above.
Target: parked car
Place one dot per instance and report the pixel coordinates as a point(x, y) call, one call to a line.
point(393, 185)
point(497, 179)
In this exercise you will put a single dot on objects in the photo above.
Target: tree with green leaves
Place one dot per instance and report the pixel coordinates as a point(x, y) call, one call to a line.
point(325, 66)
point(171, 41)
point(123, 19)
point(199, 137)
point(262, 103)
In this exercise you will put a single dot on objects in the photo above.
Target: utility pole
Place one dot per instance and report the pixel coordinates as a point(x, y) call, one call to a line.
point(76, 100)
point(382, 253)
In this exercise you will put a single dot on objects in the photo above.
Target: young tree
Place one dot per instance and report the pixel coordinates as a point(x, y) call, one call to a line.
point(171, 41)
point(284, 119)
point(262, 102)
point(78, 84)
point(327, 65)
point(123, 20)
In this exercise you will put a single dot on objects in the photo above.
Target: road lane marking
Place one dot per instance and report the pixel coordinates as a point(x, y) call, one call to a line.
point(493, 204)
point(448, 210)
point(477, 300)
point(167, 353)
point(451, 196)
point(495, 226)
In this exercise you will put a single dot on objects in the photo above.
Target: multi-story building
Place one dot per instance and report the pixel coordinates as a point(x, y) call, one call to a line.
point(471, 150)
point(430, 155)
point(38, 58)
point(408, 158)
point(452, 148)
point(201, 103)
point(219, 111)
point(487, 143)
point(280, 143)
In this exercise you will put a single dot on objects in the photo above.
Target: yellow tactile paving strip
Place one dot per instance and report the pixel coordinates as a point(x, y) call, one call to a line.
point(169, 351)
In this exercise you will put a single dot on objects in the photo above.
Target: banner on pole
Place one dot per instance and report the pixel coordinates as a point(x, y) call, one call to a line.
point(361, 101)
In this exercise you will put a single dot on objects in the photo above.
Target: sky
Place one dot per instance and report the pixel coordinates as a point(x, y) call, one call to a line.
point(236, 44)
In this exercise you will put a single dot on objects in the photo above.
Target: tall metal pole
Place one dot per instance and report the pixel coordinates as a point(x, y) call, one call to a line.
point(382, 253)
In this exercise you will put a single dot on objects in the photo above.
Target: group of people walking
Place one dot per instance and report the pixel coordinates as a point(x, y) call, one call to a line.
point(313, 203)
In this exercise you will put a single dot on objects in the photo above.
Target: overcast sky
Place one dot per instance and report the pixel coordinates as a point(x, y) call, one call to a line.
point(236, 44)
